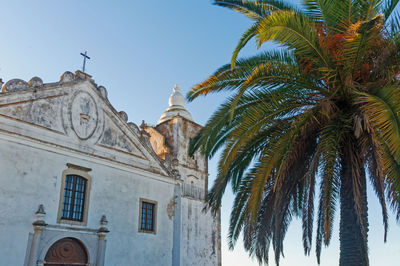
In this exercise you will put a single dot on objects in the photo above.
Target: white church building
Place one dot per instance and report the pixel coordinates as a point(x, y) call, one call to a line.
point(80, 185)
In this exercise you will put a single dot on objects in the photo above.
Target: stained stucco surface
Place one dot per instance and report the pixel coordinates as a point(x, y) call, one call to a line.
point(44, 127)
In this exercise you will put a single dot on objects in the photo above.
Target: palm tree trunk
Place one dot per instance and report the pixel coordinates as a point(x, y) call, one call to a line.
point(353, 246)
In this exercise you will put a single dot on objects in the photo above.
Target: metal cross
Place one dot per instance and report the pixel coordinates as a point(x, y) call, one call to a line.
point(84, 60)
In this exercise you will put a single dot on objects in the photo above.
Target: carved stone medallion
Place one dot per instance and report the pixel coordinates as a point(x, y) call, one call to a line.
point(84, 115)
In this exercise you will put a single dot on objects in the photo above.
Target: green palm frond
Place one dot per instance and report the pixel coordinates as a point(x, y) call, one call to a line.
point(393, 26)
point(392, 170)
point(335, 14)
point(364, 9)
point(255, 9)
point(389, 7)
point(382, 112)
point(328, 147)
point(246, 37)
point(236, 169)
point(239, 210)
point(271, 101)
point(277, 159)
point(325, 108)
point(253, 120)
point(376, 169)
point(308, 202)
point(237, 154)
point(320, 232)
point(226, 80)
point(361, 39)
point(370, 9)
point(265, 168)
point(294, 31)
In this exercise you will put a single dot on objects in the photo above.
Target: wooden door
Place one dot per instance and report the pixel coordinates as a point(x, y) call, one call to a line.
point(66, 252)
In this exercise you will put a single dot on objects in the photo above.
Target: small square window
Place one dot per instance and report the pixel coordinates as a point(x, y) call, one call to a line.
point(147, 218)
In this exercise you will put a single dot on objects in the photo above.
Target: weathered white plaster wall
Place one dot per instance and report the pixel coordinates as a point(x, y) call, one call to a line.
point(45, 126)
point(197, 227)
point(202, 229)
point(30, 176)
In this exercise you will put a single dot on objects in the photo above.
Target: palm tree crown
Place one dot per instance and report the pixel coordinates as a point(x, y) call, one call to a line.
point(324, 112)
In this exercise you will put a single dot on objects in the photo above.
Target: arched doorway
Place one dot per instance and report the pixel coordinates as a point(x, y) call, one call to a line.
point(66, 252)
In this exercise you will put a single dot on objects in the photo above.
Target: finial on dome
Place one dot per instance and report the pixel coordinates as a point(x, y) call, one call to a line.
point(176, 106)
point(176, 88)
point(176, 98)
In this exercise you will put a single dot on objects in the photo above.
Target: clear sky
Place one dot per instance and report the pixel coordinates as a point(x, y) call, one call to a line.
point(139, 50)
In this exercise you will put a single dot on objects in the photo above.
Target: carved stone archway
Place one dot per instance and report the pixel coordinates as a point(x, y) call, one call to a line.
point(66, 252)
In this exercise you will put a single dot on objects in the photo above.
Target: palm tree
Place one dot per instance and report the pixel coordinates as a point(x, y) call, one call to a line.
point(321, 112)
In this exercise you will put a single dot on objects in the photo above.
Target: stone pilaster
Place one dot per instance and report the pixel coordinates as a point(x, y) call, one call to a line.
point(38, 225)
point(101, 244)
point(176, 241)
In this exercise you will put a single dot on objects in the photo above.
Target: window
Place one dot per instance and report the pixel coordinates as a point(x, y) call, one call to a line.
point(74, 195)
point(74, 198)
point(147, 218)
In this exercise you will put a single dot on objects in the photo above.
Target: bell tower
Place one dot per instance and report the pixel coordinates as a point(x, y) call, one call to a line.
point(177, 126)
point(192, 227)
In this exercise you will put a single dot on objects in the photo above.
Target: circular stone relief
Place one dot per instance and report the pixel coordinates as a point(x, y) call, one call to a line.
point(84, 115)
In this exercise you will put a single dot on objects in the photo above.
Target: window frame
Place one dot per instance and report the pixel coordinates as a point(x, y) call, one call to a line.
point(141, 201)
point(76, 181)
point(83, 173)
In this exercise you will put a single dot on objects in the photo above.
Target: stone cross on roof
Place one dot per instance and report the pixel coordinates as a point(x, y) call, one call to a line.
point(85, 56)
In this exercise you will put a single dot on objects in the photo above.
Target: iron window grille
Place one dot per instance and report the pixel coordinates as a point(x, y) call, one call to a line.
point(74, 198)
point(147, 217)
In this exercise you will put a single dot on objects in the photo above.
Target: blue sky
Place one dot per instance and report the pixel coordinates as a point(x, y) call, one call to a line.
point(139, 50)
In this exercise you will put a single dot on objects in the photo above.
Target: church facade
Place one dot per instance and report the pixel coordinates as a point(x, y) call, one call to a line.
point(80, 185)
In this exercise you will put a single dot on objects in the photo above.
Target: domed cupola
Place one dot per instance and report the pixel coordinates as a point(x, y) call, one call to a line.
point(176, 107)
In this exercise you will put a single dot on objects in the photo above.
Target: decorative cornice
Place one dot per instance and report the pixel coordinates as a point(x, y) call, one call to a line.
point(18, 86)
